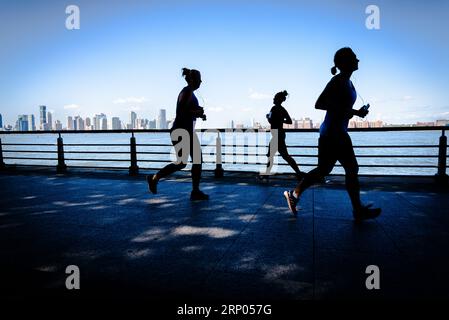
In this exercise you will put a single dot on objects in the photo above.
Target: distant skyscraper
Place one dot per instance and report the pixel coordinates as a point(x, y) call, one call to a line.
point(104, 123)
point(22, 123)
point(116, 124)
point(43, 117)
point(79, 123)
point(161, 120)
point(1, 122)
point(100, 122)
point(58, 125)
point(152, 124)
point(70, 123)
point(49, 121)
point(31, 123)
point(132, 120)
point(87, 122)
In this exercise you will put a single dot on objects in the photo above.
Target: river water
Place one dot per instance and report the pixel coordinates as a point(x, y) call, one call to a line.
point(231, 139)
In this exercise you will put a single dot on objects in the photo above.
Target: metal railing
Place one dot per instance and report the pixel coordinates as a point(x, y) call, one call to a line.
point(63, 155)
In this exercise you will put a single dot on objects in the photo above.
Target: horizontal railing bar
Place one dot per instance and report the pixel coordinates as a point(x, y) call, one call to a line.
point(315, 155)
point(96, 145)
point(101, 152)
point(100, 160)
point(209, 145)
point(153, 145)
point(29, 158)
point(30, 151)
point(224, 154)
point(245, 130)
point(315, 146)
point(155, 160)
point(29, 144)
point(152, 152)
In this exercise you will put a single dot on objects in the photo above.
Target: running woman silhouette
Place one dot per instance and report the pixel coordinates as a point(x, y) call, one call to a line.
point(334, 143)
point(277, 117)
point(184, 138)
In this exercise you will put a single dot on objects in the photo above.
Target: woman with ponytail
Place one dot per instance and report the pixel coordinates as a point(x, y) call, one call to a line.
point(277, 117)
point(334, 143)
point(184, 138)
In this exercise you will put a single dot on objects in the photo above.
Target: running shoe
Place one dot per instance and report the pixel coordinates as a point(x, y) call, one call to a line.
point(198, 195)
point(152, 184)
point(291, 201)
point(366, 212)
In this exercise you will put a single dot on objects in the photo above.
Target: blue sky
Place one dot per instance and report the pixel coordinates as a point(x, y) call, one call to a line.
point(128, 55)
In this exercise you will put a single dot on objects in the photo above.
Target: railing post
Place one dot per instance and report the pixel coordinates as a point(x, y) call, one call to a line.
point(2, 163)
point(61, 167)
point(218, 164)
point(441, 176)
point(133, 169)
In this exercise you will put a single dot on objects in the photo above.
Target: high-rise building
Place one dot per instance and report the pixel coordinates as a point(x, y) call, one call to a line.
point(49, 121)
point(305, 123)
point(161, 120)
point(104, 123)
point(70, 123)
point(376, 124)
point(58, 125)
point(31, 123)
point(116, 123)
point(43, 117)
point(152, 124)
point(100, 122)
point(96, 122)
point(22, 123)
point(133, 119)
point(1, 122)
point(87, 122)
point(79, 123)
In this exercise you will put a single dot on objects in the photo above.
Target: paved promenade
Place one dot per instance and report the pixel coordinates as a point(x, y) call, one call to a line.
point(242, 244)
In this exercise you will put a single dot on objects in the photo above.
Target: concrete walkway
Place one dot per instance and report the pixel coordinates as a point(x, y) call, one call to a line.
point(242, 244)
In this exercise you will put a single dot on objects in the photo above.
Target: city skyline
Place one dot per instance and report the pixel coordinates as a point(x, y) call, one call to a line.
point(128, 58)
point(27, 122)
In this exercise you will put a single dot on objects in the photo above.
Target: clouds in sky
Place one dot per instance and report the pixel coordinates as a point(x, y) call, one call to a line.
point(129, 100)
point(254, 95)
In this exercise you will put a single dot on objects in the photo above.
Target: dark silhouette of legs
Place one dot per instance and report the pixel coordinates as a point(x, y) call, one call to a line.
point(278, 144)
point(349, 162)
point(288, 158)
point(182, 156)
point(327, 157)
point(331, 150)
point(197, 159)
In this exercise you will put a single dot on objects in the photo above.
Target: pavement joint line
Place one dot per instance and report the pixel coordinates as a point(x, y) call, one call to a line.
point(214, 268)
point(313, 245)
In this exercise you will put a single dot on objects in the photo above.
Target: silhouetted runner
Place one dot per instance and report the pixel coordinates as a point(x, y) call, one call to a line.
point(184, 138)
point(277, 117)
point(335, 143)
